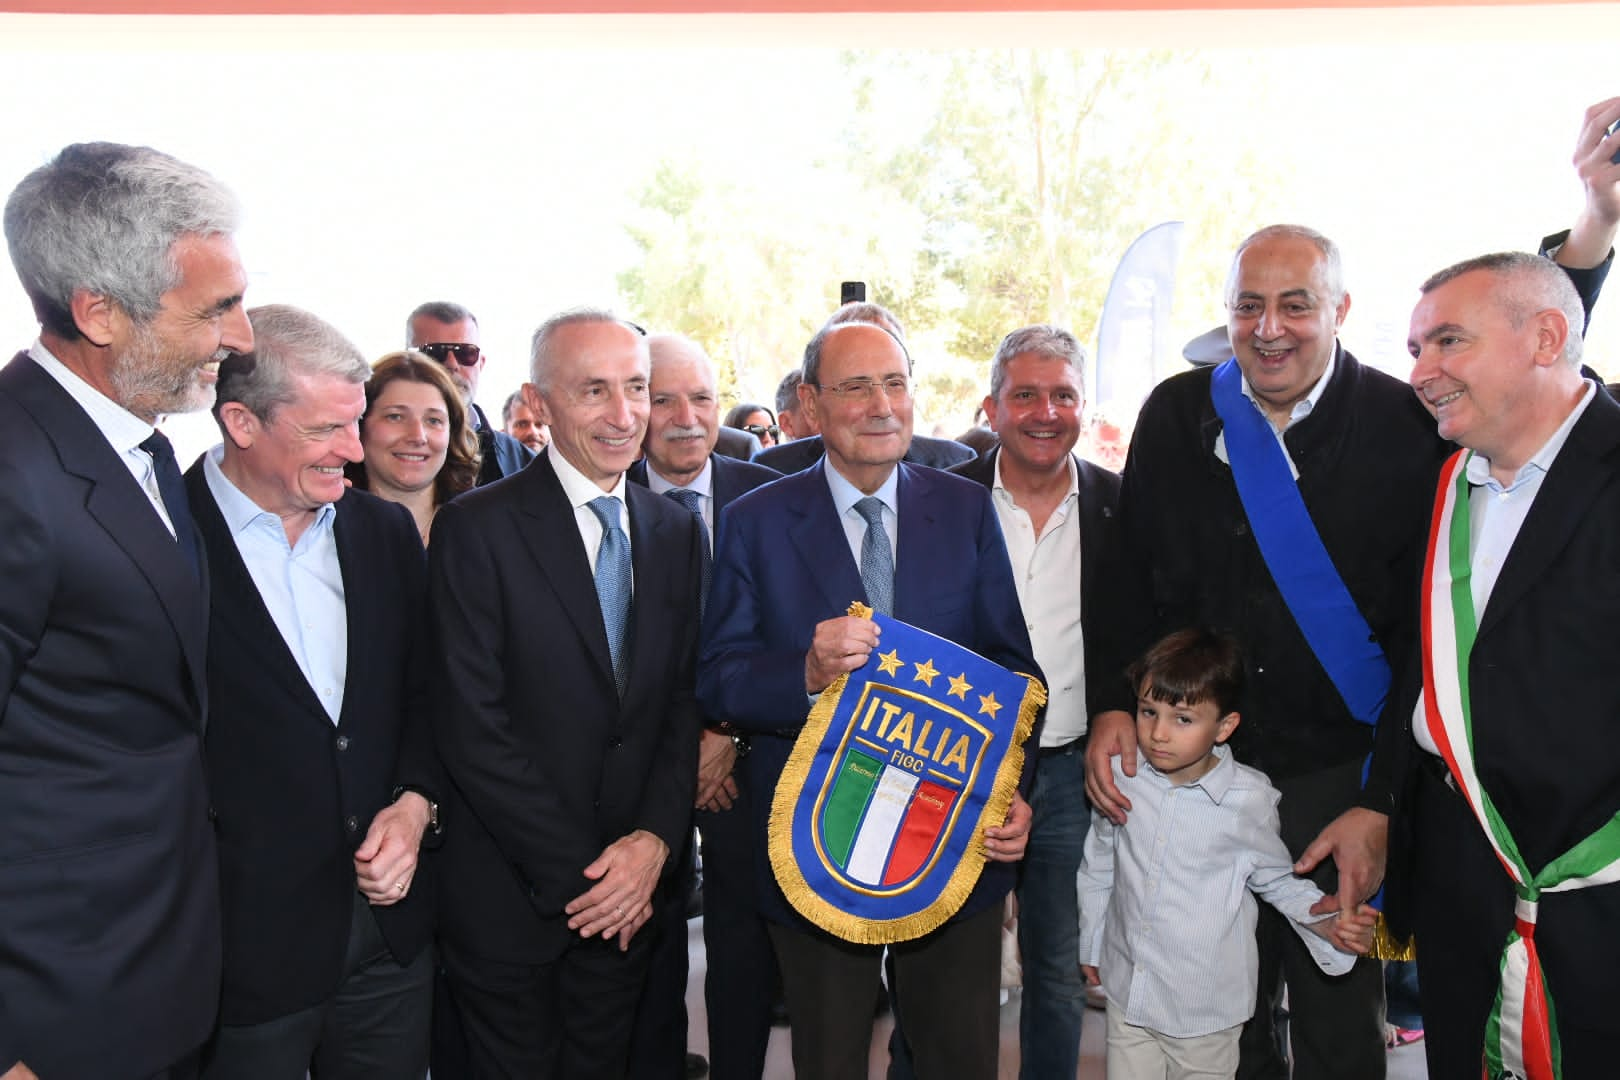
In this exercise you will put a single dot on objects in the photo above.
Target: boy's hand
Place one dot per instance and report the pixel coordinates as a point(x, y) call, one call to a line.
point(1352, 932)
point(1090, 973)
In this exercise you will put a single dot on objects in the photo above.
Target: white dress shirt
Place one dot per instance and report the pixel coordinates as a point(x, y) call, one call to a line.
point(1302, 408)
point(301, 584)
point(580, 490)
point(123, 430)
point(1046, 572)
point(702, 483)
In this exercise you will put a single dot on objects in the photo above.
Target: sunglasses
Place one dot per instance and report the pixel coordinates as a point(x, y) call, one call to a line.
point(464, 354)
point(759, 431)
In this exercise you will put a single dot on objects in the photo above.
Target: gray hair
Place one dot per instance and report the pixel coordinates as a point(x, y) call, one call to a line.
point(787, 391)
point(1529, 283)
point(1333, 262)
point(104, 217)
point(444, 311)
point(811, 372)
point(1042, 339)
point(287, 342)
point(868, 312)
point(541, 348)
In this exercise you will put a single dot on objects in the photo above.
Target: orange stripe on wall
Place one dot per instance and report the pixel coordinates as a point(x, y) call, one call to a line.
point(700, 7)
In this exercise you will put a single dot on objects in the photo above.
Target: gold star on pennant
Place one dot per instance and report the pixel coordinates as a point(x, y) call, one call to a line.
point(988, 704)
point(925, 673)
point(959, 686)
point(889, 662)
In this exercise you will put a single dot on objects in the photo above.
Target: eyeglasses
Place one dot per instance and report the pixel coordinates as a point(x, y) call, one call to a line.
point(895, 387)
point(466, 355)
point(759, 431)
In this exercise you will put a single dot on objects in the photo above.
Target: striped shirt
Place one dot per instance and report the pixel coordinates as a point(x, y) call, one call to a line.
point(1167, 901)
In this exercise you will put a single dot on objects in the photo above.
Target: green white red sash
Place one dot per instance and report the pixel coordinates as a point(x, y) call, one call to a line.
point(1521, 1036)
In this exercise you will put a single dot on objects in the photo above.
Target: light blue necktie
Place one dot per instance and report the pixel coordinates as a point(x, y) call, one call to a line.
point(694, 502)
point(877, 558)
point(613, 583)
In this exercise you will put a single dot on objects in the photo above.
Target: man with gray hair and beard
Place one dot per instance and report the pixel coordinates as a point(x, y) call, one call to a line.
point(319, 753)
point(109, 898)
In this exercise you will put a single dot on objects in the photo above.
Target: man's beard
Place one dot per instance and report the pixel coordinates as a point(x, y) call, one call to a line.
point(151, 378)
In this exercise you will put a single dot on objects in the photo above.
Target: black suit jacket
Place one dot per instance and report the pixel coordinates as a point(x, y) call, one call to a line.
point(547, 765)
point(294, 794)
point(800, 454)
point(109, 904)
point(1099, 545)
point(500, 455)
point(736, 443)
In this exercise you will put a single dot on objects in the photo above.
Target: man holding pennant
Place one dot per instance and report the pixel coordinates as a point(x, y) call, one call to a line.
point(1517, 810)
point(917, 736)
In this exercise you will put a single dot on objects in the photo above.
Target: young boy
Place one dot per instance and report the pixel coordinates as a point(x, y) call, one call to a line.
point(1167, 911)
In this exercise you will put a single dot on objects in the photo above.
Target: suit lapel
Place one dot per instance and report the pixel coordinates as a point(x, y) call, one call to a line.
point(122, 509)
point(914, 576)
point(236, 600)
point(649, 536)
point(1580, 471)
point(819, 540)
point(362, 607)
point(548, 529)
point(1096, 516)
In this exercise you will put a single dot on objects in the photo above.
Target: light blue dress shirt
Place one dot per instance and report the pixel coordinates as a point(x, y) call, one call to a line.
point(1167, 901)
point(301, 584)
point(845, 495)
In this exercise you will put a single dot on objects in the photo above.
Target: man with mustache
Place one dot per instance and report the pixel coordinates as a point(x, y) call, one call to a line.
point(109, 896)
point(681, 463)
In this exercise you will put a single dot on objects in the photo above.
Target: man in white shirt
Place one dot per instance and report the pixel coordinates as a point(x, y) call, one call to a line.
point(1057, 516)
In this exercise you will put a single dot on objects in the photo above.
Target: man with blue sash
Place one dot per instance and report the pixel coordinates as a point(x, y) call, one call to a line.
point(1283, 496)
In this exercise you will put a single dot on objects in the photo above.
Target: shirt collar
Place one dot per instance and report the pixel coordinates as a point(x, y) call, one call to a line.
point(239, 511)
point(576, 485)
point(845, 494)
point(1479, 466)
point(122, 428)
point(1215, 783)
point(1306, 405)
point(1074, 478)
point(702, 483)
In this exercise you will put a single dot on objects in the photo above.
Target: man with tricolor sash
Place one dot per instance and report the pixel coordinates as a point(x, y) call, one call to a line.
point(923, 548)
point(1282, 496)
point(1516, 816)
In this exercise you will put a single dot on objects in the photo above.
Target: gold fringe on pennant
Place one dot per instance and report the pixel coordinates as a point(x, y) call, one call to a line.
point(1386, 947)
point(796, 773)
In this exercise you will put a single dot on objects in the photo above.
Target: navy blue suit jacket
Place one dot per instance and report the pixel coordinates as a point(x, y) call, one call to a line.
point(784, 564)
point(109, 888)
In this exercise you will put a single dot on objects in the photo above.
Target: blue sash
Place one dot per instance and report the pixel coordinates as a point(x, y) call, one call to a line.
point(1304, 572)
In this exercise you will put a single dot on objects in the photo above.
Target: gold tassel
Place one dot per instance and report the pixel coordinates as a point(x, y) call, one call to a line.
point(1386, 947)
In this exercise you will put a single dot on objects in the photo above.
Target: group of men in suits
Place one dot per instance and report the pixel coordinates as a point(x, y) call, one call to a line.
point(245, 691)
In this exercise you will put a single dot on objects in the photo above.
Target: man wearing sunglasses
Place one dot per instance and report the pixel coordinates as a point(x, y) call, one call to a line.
point(448, 333)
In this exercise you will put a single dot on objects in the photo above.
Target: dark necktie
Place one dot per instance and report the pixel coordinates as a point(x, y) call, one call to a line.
point(172, 489)
point(877, 558)
point(613, 583)
point(694, 502)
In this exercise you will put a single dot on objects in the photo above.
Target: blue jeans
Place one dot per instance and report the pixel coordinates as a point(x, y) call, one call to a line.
point(1054, 997)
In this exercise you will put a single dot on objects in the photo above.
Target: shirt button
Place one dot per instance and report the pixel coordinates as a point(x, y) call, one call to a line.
point(342, 742)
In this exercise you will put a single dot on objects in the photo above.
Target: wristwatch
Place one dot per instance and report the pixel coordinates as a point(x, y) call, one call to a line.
point(433, 807)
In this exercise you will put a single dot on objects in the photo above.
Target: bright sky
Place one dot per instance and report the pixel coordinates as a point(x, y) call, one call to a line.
point(490, 160)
